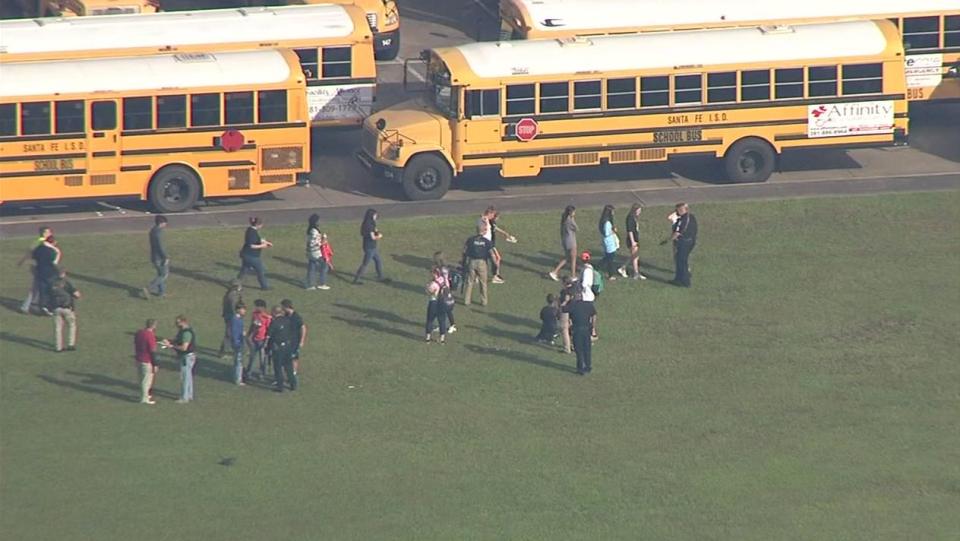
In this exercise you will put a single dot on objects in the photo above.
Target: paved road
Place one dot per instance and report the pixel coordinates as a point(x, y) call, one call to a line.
point(340, 188)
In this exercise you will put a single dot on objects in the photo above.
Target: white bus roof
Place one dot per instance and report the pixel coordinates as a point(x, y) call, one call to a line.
point(66, 77)
point(174, 28)
point(685, 48)
point(567, 15)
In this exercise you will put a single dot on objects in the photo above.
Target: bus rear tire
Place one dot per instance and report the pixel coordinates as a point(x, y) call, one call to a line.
point(426, 177)
point(174, 188)
point(749, 160)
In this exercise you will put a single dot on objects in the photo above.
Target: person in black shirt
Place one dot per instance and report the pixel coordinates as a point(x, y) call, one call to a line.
point(684, 239)
point(63, 298)
point(33, 296)
point(299, 330)
point(476, 251)
point(282, 347)
point(46, 257)
point(253, 243)
point(549, 317)
point(583, 315)
point(633, 242)
point(370, 235)
point(159, 259)
point(185, 344)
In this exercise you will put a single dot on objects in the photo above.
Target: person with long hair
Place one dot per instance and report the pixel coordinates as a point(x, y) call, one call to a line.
point(370, 235)
point(253, 243)
point(568, 241)
point(314, 254)
point(611, 243)
point(633, 242)
point(441, 275)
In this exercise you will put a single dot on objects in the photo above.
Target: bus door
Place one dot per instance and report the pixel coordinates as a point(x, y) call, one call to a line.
point(103, 143)
point(482, 122)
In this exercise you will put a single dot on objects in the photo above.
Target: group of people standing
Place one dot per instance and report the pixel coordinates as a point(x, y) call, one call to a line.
point(50, 291)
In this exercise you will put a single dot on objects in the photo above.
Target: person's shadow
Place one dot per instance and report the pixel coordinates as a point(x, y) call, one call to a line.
point(519, 357)
point(131, 291)
point(416, 262)
point(104, 386)
point(23, 340)
point(376, 326)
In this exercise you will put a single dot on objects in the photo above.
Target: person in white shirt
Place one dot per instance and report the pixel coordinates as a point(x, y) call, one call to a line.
point(587, 273)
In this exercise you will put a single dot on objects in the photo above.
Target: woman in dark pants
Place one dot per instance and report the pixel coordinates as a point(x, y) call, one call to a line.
point(370, 235)
point(441, 275)
point(568, 241)
point(611, 243)
point(250, 253)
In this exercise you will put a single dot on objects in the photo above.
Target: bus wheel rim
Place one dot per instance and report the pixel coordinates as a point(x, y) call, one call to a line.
point(173, 190)
point(428, 179)
point(750, 162)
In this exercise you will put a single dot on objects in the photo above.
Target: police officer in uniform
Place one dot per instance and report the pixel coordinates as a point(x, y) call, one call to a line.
point(476, 251)
point(283, 347)
point(684, 239)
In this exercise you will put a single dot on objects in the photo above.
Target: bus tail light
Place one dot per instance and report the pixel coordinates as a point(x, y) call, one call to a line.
point(282, 158)
point(900, 137)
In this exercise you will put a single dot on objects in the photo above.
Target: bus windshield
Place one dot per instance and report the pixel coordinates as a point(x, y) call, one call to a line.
point(442, 95)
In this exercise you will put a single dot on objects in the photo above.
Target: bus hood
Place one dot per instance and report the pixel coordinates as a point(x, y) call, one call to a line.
point(410, 124)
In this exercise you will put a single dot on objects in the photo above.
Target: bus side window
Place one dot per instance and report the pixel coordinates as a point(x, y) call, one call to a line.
point(35, 118)
point(687, 89)
point(520, 100)
point(586, 95)
point(8, 119)
point(138, 113)
point(238, 108)
point(655, 91)
point(336, 62)
point(821, 81)
point(309, 62)
point(921, 33)
point(104, 115)
point(69, 117)
point(622, 93)
point(862, 79)
point(272, 106)
point(483, 103)
point(951, 31)
point(172, 111)
point(755, 85)
point(554, 97)
point(789, 83)
point(205, 109)
point(722, 87)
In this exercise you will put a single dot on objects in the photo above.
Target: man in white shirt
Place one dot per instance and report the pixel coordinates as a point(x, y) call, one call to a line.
point(586, 278)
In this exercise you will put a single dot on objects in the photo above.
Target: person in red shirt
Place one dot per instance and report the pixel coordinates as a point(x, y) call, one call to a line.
point(257, 334)
point(326, 260)
point(145, 351)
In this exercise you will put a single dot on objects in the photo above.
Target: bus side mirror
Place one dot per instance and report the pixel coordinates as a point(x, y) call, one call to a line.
point(953, 72)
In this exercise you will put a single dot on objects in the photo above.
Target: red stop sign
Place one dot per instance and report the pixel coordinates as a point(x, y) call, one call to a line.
point(526, 129)
point(231, 140)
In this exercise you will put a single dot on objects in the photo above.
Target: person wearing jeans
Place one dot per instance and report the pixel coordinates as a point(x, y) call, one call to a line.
point(611, 243)
point(253, 243)
point(159, 259)
point(237, 341)
point(313, 251)
point(185, 345)
point(370, 235)
point(33, 295)
point(259, 323)
point(326, 260)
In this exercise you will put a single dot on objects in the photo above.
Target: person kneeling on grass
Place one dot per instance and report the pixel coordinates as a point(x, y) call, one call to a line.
point(549, 316)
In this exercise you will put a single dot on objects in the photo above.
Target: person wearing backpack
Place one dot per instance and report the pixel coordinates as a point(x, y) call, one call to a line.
point(437, 290)
point(452, 280)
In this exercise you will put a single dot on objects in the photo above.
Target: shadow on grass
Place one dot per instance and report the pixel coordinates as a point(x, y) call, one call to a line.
point(23, 340)
point(413, 261)
point(518, 266)
point(523, 337)
point(378, 327)
point(520, 357)
point(197, 275)
point(271, 276)
point(543, 259)
point(376, 314)
point(106, 386)
point(514, 321)
point(10, 304)
point(131, 291)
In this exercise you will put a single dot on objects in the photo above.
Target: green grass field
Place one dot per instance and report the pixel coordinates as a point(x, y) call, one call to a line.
point(807, 387)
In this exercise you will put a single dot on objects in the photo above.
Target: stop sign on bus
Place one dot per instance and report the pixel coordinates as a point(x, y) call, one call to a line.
point(526, 129)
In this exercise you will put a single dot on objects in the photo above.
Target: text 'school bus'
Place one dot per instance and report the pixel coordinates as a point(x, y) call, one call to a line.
point(930, 28)
point(383, 16)
point(166, 128)
point(333, 43)
point(80, 8)
point(744, 94)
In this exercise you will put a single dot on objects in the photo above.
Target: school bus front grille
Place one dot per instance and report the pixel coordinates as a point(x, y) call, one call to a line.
point(73, 180)
point(282, 158)
point(556, 160)
point(583, 158)
point(101, 180)
point(238, 179)
point(276, 179)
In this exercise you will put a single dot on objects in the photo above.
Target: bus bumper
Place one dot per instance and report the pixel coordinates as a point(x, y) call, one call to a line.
point(386, 172)
point(386, 45)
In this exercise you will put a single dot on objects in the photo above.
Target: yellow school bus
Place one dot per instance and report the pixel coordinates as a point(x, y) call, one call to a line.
point(930, 28)
point(743, 94)
point(80, 8)
point(168, 129)
point(383, 16)
point(333, 43)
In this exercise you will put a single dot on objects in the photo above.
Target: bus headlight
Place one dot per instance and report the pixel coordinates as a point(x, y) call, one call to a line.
point(392, 18)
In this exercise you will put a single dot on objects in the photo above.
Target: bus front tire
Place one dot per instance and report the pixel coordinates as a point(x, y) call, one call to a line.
point(426, 177)
point(174, 189)
point(749, 160)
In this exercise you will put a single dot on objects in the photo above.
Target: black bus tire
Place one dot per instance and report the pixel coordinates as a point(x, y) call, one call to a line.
point(425, 177)
point(749, 160)
point(174, 188)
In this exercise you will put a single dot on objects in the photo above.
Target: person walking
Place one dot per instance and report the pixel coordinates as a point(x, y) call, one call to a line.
point(299, 332)
point(611, 243)
point(159, 259)
point(257, 334)
point(185, 344)
point(684, 237)
point(489, 218)
point(476, 252)
point(33, 295)
point(314, 254)
point(583, 317)
point(370, 235)
point(565, 298)
point(326, 261)
point(145, 353)
point(46, 259)
point(568, 241)
point(228, 306)
point(436, 312)
point(591, 285)
point(633, 242)
point(443, 275)
point(281, 350)
point(63, 296)
point(238, 339)
point(253, 244)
